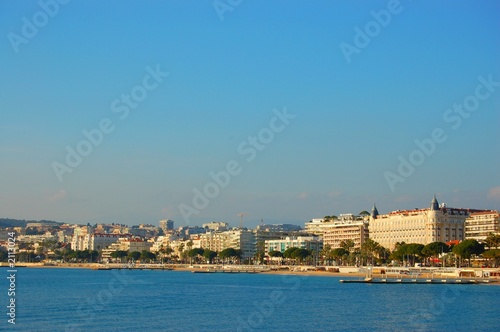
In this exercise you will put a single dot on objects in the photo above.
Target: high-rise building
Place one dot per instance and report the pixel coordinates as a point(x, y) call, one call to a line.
point(166, 225)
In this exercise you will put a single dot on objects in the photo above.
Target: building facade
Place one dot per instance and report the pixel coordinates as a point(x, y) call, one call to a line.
point(236, 239)
point(347, 227)
point(216, 226)
point(434, 224)
point(312, 243)
point(317, 226)
point(480, 224)
point(95, 241)
point(166, 225)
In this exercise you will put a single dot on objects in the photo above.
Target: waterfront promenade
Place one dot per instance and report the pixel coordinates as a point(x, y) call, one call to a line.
point(332, 271)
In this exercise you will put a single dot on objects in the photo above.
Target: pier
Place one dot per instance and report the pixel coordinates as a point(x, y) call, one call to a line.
point(448, 281)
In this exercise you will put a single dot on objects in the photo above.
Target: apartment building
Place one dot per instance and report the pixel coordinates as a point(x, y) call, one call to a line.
point(480, 224)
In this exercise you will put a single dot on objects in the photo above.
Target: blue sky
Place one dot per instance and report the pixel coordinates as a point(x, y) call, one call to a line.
point(227, 79)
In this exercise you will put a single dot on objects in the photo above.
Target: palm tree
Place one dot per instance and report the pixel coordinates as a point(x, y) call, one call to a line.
point(492, 241)
point(181, 251)
point(368, 248)
point(326, 253)
point(161, 251)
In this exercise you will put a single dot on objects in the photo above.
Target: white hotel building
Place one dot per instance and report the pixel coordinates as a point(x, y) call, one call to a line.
point(436, 223)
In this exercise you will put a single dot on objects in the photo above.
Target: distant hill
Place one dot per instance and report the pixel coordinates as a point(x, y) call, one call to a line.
point(6, 222)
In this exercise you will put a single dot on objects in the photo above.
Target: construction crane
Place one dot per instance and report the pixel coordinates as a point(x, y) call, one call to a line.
point(241, 214)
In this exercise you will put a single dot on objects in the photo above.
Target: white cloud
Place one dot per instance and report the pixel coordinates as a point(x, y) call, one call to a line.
point(58, 196)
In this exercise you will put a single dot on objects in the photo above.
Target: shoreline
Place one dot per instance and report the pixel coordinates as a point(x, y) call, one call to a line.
point(270, 270)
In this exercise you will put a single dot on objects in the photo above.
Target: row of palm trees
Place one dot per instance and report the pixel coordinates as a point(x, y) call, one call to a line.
point(372, 253)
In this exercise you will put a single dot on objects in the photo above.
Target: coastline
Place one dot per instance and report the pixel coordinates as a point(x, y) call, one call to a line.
point(351, 272)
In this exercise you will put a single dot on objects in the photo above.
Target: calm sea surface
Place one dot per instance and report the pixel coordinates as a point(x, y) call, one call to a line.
point(86, 300)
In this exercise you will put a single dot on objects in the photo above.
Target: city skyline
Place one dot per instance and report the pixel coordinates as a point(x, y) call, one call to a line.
point(287, 114)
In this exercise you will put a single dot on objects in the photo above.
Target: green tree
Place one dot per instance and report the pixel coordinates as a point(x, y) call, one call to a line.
point(3, 256)
point(239, 254)
point(492, 241)
point(26, 257)
point(182, 253)
point(228, 253)
point(134, 255)
point(400, 252)
point(347, 245)
point(147, 256)
point(467, 248)
point(289, 252)
point(300, 254)
point(275, 253)
point(260, 252)
point(169, 251)
point(119, 254)
point(94, 255)
point(339, 254)
point(195, 253)
point(82, 255)
point(414, 251)
point(67, 254)
point(326, 254)
point(434, 249)
point(493, 255)
point(209, 255)
point(369, 248)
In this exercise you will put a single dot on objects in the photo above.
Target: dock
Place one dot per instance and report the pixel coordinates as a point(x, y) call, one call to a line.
point(448, 281)
point(225, 271)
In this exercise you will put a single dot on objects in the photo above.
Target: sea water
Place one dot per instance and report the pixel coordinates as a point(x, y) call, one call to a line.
point(56, 299)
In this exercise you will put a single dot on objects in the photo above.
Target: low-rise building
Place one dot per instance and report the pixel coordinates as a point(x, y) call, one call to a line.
point(125, 244)
point(219, 226)
point(312, 243)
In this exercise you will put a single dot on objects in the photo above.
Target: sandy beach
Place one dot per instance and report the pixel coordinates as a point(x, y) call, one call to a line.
point(262, 269)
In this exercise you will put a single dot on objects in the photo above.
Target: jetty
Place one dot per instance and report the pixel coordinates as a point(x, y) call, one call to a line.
point(423, 276)
point(226, 271)
point(448, 281)
point(131, 267)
